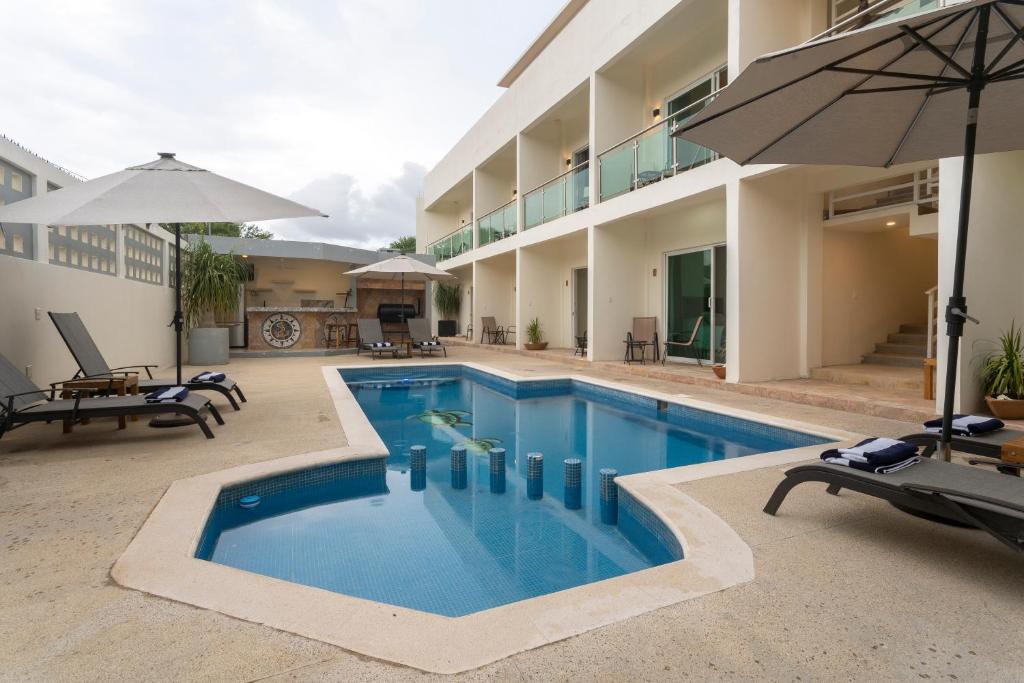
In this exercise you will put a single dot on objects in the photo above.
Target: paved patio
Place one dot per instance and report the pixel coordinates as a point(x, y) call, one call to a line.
point(846, 587)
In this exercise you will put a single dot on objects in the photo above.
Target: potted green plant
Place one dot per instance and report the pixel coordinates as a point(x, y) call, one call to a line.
point(209, 287)
point(534, 335)
point(448, 300)
point(1002, 376)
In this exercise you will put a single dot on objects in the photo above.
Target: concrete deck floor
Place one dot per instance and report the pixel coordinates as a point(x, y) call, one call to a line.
point(846, 587)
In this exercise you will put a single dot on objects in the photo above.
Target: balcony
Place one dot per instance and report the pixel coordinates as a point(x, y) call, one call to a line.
point(568, 193)
point(452, 244)
point(919, 189)
point(653, 154)
point(849, 15)
point(498, 224)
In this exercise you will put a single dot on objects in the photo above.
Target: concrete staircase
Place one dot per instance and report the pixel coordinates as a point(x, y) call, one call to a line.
point(906, 348)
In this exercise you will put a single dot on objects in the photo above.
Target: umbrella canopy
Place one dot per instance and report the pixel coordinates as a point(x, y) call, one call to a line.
point(940, 84)
point(161, 191)
point(402, 267)
point(882, 95)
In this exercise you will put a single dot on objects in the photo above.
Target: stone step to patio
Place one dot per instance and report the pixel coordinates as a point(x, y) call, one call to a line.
point(899, 360)
point(878, 376)
point(901, 349)
point(913, 328)
point(908, 338)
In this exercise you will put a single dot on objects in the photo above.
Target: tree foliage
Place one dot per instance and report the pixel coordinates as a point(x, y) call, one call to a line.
point(246, 230)
point(407, 244)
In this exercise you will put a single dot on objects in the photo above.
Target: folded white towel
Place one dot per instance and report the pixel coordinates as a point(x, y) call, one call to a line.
point(859, 452)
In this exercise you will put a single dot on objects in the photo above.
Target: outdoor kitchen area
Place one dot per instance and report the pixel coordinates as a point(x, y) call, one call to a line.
point(299, 299)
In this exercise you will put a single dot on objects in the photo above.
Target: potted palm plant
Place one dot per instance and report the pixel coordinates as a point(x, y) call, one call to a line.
point(448, 300)
point(1002, 375)
point(534, 335)
point(209, 287)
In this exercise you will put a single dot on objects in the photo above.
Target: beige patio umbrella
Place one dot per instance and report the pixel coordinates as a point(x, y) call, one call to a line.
point(403, 267)
point(161, 191)
point(938, 84)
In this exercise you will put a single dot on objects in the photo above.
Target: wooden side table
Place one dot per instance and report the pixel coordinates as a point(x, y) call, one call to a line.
point(122, 386)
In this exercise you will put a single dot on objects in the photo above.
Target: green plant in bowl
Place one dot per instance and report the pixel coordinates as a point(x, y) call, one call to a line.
point(1002, 375)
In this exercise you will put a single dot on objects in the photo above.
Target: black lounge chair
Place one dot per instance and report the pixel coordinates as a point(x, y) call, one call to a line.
point(371, 337)
point(964, 495)
point(988, 445)
point(92, 364)
point(21, 402)
point(419, 331)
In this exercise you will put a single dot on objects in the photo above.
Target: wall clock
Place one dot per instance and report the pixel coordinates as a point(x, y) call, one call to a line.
point(281, 330)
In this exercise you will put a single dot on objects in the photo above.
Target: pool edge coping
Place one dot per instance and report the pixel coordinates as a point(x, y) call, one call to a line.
point(160, 559)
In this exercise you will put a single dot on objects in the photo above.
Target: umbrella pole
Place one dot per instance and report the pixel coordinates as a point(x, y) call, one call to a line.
point(178, 322)
point(956, 308)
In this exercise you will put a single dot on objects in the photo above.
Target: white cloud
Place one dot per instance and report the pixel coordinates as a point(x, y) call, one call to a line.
point(327, 99)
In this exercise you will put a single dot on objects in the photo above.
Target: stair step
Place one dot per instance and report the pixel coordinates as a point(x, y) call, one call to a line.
point(881, 377)
point(893, 359)
point(915, 328)
point(908, 338)
point(901, 349)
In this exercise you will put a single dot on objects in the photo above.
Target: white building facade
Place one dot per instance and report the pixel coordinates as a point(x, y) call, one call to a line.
point(569, 202)
point(117, 277)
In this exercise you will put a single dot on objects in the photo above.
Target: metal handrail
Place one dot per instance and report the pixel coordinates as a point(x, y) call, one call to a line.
point(556, 178)
point(453, 232)
point(881, 5)
point(663, 121)
point(494, 211)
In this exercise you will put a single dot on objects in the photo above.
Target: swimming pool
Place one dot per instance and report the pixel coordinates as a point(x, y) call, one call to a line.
point(378, 532)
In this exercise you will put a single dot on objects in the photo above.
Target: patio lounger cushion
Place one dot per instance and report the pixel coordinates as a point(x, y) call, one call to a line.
point(168, 395)
point(966, 425)
point(967, 495)
point(91, 362)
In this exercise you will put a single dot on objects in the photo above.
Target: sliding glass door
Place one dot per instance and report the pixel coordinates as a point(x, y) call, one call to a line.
point(695, 304)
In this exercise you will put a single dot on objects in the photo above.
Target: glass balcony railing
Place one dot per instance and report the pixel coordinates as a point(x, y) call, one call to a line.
point(452, 244)
point(652, 155)
point(498, 224)
point(850, 15)
point(558, 197)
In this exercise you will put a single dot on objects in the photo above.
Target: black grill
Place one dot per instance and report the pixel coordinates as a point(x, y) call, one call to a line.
point(395, 313)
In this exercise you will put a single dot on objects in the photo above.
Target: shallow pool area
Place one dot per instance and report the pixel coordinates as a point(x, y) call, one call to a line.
point(454, 543)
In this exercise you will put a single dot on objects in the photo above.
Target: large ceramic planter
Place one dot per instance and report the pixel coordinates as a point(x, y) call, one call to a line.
point(1006, 410)
point(208, 346)
point(539, 346)
point(447, 328)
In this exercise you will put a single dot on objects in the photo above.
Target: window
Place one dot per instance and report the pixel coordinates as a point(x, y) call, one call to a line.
point(17, 182)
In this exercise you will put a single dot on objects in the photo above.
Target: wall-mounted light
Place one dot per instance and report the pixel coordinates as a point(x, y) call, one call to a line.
point(656, 112)
point(568, 162)
point(245, 256)
point(890, 224)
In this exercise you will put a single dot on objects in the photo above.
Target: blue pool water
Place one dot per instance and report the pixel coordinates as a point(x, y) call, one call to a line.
point(361, 528)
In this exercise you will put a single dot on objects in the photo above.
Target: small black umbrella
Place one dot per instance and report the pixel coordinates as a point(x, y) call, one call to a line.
point(938, 84)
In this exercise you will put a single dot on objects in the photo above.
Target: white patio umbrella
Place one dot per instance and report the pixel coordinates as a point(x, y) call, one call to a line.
point(939, 84)
point(402, 267)
point(161, 191)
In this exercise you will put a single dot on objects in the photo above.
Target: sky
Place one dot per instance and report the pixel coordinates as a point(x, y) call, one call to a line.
point(342, 105)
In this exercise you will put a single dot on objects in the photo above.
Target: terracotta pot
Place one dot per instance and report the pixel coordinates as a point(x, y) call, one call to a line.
point(1006, 410)
point(719, 371)
point(539, 346)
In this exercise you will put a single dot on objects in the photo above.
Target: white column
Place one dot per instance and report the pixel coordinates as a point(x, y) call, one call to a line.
point(119, 233)
point(994, 277)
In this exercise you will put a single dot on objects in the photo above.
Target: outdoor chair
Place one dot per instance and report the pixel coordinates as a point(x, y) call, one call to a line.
point(989, 445)
point(688, 345)
point(643, 334)
point(21, 402)
point(581, 345)
point(371, 338)
point(419, 331)
point(92, 364)
point(492, 331)
point(964, 495)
